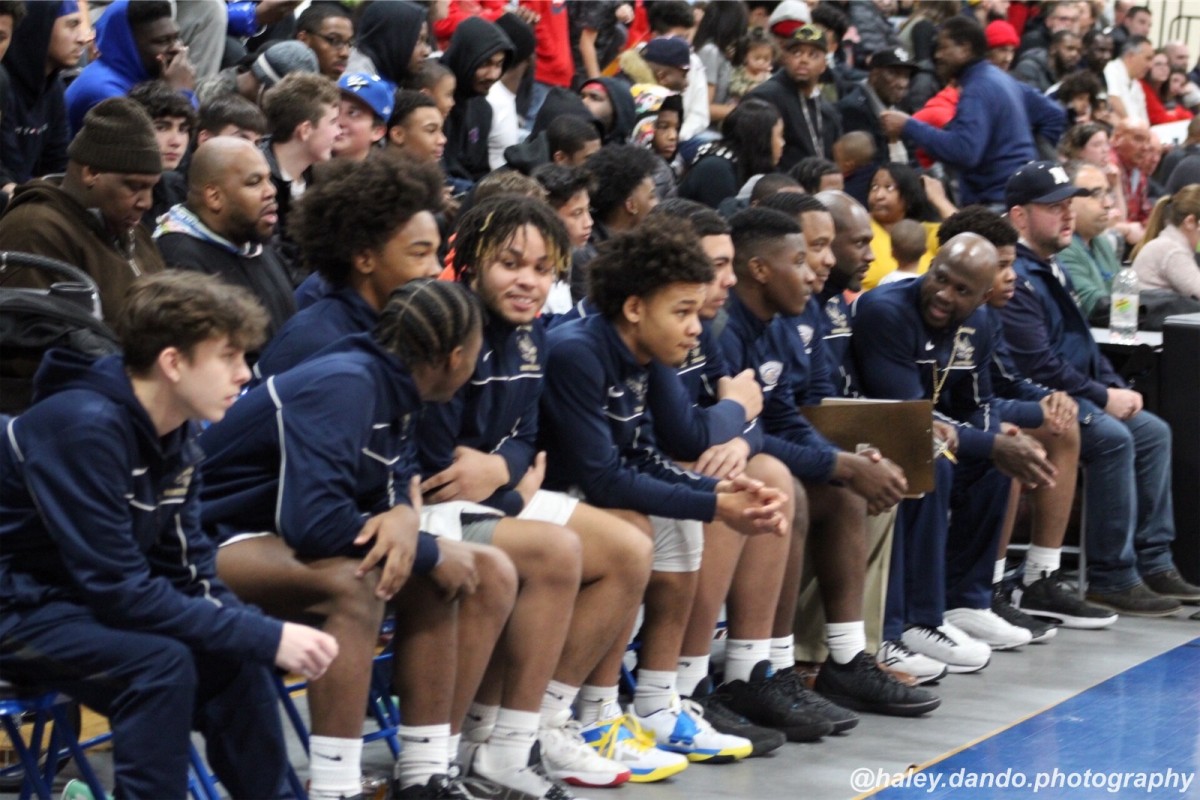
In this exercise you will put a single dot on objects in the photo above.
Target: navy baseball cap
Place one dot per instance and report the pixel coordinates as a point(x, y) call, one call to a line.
point(670, 51)
point(1041, 182)
point(378, 94)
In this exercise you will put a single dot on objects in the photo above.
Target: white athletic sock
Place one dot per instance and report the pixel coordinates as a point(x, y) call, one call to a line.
point(453, 746)
point(743, 655)
point(998, 570)
point(598, 703)
point(478, 724)
point(655, 691)
point(511, 740)
point(335, 767)
point(424, 753)
point(845, 640)
point(1041, 561)
point(689, 673)
point(783, 652)
point(557, 698)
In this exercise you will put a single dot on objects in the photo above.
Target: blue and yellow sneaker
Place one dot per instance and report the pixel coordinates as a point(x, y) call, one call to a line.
point(681, 728)
point(623, 740)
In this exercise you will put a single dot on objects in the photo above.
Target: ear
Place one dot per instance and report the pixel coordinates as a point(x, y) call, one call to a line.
point(396, 135)
point(89, 176)
point(214, 198)
point(633, 308)
point(630, 206)
point(454, 361)
point(363, 262)
point(169, 363)
point(560, 157)
point(758, 270)
point(303, 131)
point(378, 131)
point(202, 137)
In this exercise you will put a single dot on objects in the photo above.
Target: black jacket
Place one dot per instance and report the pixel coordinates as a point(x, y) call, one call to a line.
point(858, 114)
point(781, 91)
point(387, 34)
point(1034, 69)
point(34, 133)
point(469, 123)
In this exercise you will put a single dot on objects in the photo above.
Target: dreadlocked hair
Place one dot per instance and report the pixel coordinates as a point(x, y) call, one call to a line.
point(426, 319)
point(485, 230)
point(642, 261)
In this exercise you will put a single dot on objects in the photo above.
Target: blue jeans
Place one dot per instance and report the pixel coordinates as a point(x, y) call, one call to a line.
point(1130, 519)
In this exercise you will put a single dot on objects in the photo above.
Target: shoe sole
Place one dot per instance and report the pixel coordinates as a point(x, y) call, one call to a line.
point(890, 710)
point(657, 774)
point(1044, 636)
point(591, 781)
point(726, 757)
point(1068, 621)
point(966, 669)
point(1136, 613)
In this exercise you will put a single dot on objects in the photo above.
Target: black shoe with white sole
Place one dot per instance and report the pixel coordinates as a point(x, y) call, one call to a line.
point(1051, 597)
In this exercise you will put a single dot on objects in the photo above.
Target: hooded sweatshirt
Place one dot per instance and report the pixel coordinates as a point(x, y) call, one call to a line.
point(535, 151)
point(118, 69)
point(467, 128)
point(46, 221)
point(34, 133)
point(98, 510)
point(387, 35)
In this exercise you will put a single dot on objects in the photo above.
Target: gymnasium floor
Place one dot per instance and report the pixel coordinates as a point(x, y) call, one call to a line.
point(1126, 700)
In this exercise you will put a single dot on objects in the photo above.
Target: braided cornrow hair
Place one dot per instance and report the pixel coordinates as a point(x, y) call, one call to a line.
point(484, 231)
point(424, 320)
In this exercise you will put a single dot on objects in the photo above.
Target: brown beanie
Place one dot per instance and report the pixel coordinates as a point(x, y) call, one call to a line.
point(117, 136)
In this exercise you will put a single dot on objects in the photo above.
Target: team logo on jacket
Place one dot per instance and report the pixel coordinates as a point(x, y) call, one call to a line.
point(806, 333)
point(837, 317)
point(769, 373)
point(964, 352)
point(637, 385)
point(528, 351)
point(182, 481)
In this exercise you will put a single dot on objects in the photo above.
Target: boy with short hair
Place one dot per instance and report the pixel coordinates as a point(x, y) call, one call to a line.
point(568, 191)
point(230, 115)
point(909, 239)
point(366, 105)
point(174, 119)
point(110, 590)
point(416, 127)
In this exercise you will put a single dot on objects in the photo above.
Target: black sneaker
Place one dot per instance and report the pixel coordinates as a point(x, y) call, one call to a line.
point(1003, 608)
point(438, 787)
point(726, 720)
point(1051, 597)
point(842, 719)
point(767, 701)
point(1171, 584)
point(863, 686)
point(1137, 601)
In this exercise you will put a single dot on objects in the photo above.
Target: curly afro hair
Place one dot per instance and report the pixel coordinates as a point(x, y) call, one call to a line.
point(618, 170)
point(358, 207)
point(640, 262)
point(485, 230)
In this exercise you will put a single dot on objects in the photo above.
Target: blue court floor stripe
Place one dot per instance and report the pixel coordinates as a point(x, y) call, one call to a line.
point(1137, 734)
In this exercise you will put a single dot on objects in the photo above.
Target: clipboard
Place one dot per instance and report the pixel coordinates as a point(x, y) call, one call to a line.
point(902, 430)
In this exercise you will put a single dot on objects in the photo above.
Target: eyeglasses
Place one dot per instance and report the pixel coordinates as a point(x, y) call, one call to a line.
point(336, 42)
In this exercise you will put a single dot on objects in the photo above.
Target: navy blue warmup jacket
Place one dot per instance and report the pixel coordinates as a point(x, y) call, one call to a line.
point(835, 333)
point(340, 313)
point(812, 377)
point(310, 454)
point(96, 509)
point(1010, 386)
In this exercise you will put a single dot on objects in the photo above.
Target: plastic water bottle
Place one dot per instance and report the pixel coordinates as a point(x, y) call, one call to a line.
point(1123, 317)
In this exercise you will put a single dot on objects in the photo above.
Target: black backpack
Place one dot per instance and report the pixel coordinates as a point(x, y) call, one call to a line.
point(33, 321)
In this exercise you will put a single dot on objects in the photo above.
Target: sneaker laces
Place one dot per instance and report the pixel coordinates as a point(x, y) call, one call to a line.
point(696, 712)
point(938, 636)
point(897, 651)
point(568, 746)
point(638, 739)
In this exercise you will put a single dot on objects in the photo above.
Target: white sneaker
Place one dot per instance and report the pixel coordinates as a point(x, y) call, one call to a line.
point(947, 644)
point(512, 783)
point(567, 757)
point(623, 740)
point(894, 655)
point(682, 728)
point(988, 626)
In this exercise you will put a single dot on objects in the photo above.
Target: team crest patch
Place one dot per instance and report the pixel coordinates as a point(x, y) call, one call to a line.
point(528, 351)
point(964, 352)
point(836, 316)
point(806, 333)
point(637, 385)
point(769, 373)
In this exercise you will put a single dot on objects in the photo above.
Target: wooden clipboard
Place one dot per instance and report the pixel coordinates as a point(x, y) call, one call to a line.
point(901, 430)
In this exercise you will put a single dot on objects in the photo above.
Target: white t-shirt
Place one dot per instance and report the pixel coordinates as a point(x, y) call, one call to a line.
point(506, 125)
point(1133, 97)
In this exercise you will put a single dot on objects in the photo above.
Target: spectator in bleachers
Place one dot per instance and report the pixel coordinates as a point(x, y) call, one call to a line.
point(1042, 69)
point(553, 65)
point(173, 119)
point(415, 127)
point(1082, 94)
point(890, 72)
point(302, 116)
point(919, 33)
point(1124, 78)
point(569, 139)
point(1090, 259)
point(137, 41)
point(610, 102)
point(327, 28)
point(1097, 52)
point(757, 61)
point(817, 174)
point(568, 191)
point(251, 80)
point(110, 593)
point(910, 245)
point(1054, 17)
point(1165, 259)
point(478, 54)
point(718, 43)
point(875, 31)
point(34, 132)
point(1002, 43)
point(12, 14)
point(1126, 450)
point(391, 41)
point(225, 226)
point(1188, 147)
point(1136, 21)
point(1165, 87)
point(855, 156)
point(676, 19)
point(1131, 142)
point(366, 106)
point(90, 217)
point(507, 127)
point(992, 132)
point(435, 80)
point(899, 192)
point(751, 144)
point(231, 115)
point(660, 114)
point(810, 125)
point(597, 34)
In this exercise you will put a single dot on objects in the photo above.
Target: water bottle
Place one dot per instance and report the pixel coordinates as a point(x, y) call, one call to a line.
point(1123, 318)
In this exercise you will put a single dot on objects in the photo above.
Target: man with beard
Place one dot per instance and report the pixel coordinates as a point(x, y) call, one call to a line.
point(992, 133)
point(885, 87)
point(1042, 69)
point(224, 227)
point(138, 42)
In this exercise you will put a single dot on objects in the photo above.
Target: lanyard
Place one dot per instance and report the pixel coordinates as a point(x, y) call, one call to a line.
point(814, 131)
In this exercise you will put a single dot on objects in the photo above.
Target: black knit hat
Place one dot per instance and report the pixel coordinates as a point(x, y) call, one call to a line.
point(117, 136)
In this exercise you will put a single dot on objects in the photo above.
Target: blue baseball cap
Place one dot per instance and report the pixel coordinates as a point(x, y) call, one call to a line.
point(378, 94)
